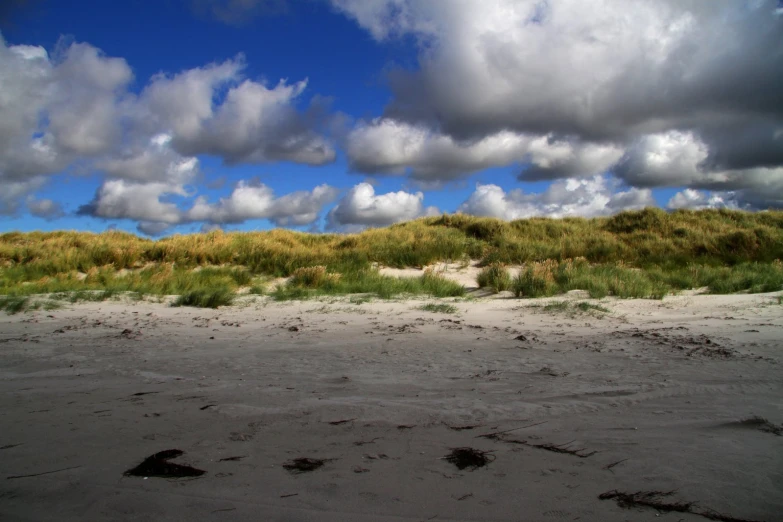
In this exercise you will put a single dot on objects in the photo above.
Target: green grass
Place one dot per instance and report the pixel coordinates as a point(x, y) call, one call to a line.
point(439, 308)
point(16, 304)
point(645, 253)
point(556, 306)
point(494, 276)
point(573, 309)
point(584, 306)
point(13, 304)
point(206, 298)
point(370, 282)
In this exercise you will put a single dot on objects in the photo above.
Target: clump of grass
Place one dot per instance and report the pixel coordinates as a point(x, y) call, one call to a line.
point(536, 280)
point(312, 277)
point(551, 278)
point(257, 289)
point(556, 306)
point(14, 304)
point(494, 276)
point(372, 282)
point(206, 298)
point(436, 285)
point(439, 308)
point(582, 307)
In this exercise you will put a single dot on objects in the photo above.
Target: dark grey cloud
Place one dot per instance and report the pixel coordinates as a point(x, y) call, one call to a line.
point(45, 208)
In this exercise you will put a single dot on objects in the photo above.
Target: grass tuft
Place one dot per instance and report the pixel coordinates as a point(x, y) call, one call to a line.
point(494, 276)
point(439, 308)
point(14, 304)
point(206, 298)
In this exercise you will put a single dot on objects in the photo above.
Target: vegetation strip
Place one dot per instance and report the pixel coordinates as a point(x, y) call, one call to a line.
point(642, 254)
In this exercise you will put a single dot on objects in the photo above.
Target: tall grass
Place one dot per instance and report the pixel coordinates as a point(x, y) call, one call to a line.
point(641, 253)
point(555, 277)
point(370, 281)
point(494, 276)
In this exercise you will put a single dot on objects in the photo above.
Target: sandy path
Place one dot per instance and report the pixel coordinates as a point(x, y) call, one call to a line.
point(654, 388)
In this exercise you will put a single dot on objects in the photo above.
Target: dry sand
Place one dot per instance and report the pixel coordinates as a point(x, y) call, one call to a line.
point(649, 397)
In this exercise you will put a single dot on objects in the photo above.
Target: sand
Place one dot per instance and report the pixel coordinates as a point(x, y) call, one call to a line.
point(649, 397)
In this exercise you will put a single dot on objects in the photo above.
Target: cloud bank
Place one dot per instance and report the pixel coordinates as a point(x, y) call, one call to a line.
point(73, 111)
point(660, 94)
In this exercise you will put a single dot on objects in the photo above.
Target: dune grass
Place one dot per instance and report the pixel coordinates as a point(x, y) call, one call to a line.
point(439, 308)
point(645, 253)
point(366, 281)
point(494, 276)
point(574, 309)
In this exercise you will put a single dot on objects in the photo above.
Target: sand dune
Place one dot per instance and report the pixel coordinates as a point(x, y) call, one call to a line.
point(684, 395)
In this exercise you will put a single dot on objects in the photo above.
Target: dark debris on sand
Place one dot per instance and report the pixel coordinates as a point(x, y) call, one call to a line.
point(657, 500)
point(158, 465)
point(653, 499)
point(304, 465)
point(469, 458)
point(762, 424)
point(563, 448)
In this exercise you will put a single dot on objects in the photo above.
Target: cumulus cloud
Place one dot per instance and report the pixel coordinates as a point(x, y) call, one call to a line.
point(258, 201)
point(585, 198)
point(565, 66)
point(361, 207)
point(54, 110)
point(121, 199)
point(564, 71)
point(150, 204)
point(697, 200)
point(681, 159)
point(387, 146)
point(253, 124)
point(73, 109)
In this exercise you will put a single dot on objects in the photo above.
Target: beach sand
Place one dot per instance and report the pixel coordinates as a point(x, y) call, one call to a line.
point(648, 397)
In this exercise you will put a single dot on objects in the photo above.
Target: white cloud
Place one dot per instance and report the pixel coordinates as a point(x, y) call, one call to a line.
point(585, 198)
point(697, 199)
point(73, 110)
point(391, 147)
point(253, 123)
point(52, 111)
point(258, 201)
point(361, 207)
point(121, 199)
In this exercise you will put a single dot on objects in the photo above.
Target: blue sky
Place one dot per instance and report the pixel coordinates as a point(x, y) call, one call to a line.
point(184, 115)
